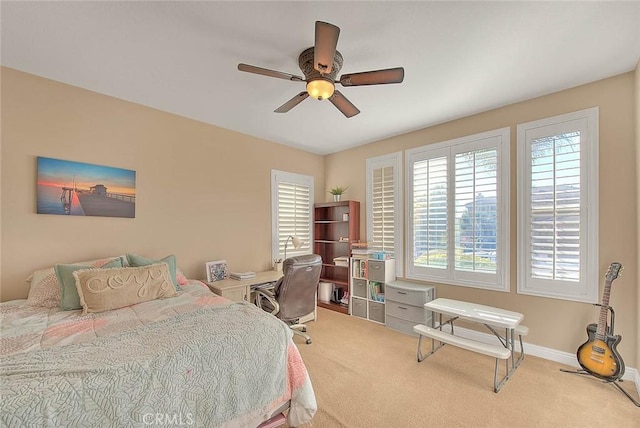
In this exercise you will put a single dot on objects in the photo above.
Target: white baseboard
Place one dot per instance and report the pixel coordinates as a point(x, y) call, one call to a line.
point(630, 374)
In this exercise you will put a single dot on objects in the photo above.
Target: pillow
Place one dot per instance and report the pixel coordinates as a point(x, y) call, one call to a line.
point(70, 299)
point(180, 277)
point(105, 289)
point(45, 290)
point(136, 261)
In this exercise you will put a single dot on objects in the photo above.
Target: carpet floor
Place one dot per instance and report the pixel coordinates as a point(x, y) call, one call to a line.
point(366, 375)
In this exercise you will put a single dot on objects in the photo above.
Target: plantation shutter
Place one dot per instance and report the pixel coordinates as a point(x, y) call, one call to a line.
point(430, 226)
point(476, 205)
point(294, 217)
point(555, 209)
point(383, 211)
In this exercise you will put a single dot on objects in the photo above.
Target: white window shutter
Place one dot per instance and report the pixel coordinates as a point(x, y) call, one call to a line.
point(384, 205)
point(292, 212)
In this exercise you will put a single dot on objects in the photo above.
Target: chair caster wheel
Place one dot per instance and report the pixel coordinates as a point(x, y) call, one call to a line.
point(308, 341)
point(304, 329)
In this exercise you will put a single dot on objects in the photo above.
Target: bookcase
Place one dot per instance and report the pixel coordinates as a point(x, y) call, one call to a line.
point(336, 226)
point(369, 279)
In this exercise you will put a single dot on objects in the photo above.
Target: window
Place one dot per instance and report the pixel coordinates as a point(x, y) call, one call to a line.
point(458, 211)
point(384, 205)
point(558, 207)
point(291, 212)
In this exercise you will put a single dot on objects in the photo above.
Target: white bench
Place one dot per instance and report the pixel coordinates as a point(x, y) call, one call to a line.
point(496, 351)
point(495, 319)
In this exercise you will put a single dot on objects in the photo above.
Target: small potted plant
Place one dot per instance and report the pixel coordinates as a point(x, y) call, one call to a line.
point(337, 192)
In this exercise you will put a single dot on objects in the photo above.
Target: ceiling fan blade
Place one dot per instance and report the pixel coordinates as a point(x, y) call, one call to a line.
point(271, 73)
point(377, 77)
point(297, 99)
point(325, 46)
point(343, 104)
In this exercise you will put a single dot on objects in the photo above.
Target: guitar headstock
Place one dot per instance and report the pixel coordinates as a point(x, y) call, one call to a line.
point(614, 270)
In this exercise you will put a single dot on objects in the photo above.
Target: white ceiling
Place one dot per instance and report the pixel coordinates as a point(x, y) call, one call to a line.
point(460, 58)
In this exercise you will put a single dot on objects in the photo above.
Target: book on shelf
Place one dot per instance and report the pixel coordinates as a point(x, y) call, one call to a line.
point(360, 245)
point(362, 251)
point(359, 268)
point(341, 261)
point(242, 275)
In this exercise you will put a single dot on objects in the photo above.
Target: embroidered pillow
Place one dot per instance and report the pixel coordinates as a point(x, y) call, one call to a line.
point(69, 298)
point(135, 260)
point(45, 290)
point(105, 289)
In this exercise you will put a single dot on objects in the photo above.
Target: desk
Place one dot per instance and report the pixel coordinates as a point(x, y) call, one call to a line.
point(492, 318)
point(240, 290)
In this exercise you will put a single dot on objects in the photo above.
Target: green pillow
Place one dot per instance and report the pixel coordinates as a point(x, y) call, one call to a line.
point(70, 299)
point(137, 261)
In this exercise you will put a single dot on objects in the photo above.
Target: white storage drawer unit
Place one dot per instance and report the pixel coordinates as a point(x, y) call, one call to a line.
point(405, 305)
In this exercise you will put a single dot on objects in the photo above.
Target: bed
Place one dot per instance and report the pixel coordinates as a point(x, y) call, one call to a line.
point(194, 359)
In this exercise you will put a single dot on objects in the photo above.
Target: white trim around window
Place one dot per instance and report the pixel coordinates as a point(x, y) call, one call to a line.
point(384, 205)
point(457, 211)
point(558, 207)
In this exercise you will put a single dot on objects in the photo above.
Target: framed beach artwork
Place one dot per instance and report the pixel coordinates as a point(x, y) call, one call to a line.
point(83, 189)
point(216, 271)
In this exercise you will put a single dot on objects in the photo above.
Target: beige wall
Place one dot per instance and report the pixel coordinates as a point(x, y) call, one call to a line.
point(556, 324)
point(637, 284)
point(203, 193)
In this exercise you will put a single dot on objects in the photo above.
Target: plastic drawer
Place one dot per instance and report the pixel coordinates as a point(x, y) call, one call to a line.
point(410, 297)
point(406, 312)
point(403, 326)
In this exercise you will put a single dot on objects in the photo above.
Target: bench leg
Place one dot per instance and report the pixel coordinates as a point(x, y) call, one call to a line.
point(505, 343)
point(521, 351)
point(420, 356)
point(497, 385)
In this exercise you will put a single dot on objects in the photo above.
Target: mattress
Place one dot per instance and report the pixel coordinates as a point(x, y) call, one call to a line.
point(195, 359)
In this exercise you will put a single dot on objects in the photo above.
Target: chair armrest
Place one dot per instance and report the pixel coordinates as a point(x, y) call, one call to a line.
point(262, 295)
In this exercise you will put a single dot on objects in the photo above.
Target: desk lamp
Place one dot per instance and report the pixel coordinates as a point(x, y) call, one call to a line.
point(297, 243)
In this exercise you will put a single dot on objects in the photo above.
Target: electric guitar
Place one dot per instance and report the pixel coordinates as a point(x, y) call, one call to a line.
point(598, 355)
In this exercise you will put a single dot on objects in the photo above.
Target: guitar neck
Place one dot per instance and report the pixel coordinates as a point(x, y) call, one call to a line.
point(604, 309)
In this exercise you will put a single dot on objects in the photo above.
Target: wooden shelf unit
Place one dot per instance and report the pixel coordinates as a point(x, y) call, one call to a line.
point(336, 226)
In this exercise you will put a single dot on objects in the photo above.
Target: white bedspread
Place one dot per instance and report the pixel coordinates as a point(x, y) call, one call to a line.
point(193, 360)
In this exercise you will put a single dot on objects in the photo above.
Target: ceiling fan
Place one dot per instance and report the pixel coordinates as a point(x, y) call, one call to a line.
point(320, 65)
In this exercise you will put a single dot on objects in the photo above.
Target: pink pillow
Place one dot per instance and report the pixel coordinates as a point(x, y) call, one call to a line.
point(180, 278)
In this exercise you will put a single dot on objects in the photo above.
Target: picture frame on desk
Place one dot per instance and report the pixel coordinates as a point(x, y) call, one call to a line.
point(216, 270)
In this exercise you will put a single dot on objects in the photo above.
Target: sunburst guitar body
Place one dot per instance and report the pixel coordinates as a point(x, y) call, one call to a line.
point(598, 355)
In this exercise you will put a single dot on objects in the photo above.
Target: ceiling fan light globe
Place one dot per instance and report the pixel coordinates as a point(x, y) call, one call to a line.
point(320, 89)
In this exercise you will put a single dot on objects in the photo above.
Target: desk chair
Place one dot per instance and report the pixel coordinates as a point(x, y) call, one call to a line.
point(294, 295)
